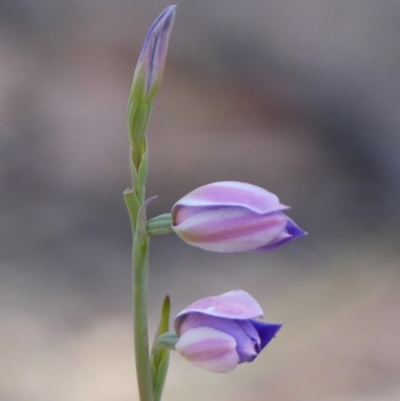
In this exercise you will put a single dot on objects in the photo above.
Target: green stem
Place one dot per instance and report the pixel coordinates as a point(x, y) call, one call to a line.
point(139, 303)
point(136, 205)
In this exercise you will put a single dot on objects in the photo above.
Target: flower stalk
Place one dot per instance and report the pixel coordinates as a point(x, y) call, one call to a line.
point(146, 82)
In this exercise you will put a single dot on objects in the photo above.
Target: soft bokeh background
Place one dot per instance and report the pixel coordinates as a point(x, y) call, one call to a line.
point(298, 96)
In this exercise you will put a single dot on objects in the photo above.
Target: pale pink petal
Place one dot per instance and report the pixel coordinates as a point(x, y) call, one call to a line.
point(229, 230)
point(209, 349)
point(234, 194)
point(247, 339)
point(237, 304)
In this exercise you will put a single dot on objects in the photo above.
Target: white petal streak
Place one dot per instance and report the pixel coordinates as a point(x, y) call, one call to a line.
point(231, 193)
point(209, 349)
point(230, 229)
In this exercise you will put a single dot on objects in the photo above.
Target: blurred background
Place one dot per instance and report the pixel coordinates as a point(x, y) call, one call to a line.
point(300, 97)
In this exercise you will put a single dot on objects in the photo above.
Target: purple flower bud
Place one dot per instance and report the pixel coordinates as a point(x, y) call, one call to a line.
point(233, 217)
point(150, 67)
point(217, 333)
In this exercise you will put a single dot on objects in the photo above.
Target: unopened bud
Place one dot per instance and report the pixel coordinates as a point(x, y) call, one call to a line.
point(150, 67)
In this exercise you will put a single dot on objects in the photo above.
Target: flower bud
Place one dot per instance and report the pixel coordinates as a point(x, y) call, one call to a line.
point(150, 67)
point(233, 217)
point(218, 333)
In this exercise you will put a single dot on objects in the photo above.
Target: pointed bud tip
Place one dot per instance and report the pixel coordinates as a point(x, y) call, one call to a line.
point(164, 20)
point(149, 70)
point(171, 9)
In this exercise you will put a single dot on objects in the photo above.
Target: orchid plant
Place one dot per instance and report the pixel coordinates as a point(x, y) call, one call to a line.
point(215, 333)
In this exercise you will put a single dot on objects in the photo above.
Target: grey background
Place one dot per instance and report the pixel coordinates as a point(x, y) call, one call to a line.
point(298, 96)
